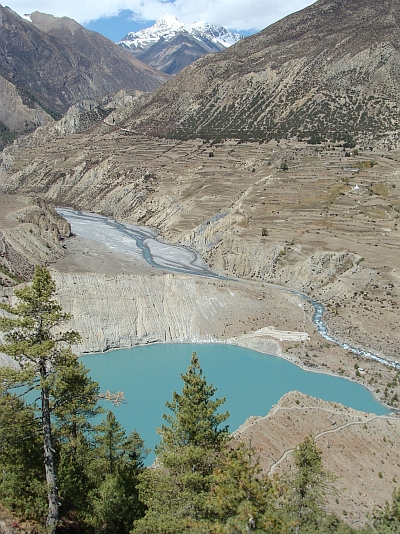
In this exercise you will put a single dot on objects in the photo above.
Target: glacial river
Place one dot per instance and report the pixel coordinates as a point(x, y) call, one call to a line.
point(250, 381)
point(141, 242)
point(137, 242)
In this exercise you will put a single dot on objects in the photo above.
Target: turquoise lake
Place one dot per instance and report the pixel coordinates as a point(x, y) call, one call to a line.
point(251, 382)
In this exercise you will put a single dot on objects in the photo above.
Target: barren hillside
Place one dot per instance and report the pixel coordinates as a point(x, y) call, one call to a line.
point(361, 449)
point(329, 71)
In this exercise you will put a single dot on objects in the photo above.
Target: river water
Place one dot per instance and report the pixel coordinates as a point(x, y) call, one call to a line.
point(136, 242)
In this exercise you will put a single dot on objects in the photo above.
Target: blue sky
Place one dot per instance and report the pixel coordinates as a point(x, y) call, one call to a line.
point(116, 27)
point(115, 18)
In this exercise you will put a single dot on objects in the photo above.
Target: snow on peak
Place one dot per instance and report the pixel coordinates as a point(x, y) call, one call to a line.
point(168, 22)
point(168, 26)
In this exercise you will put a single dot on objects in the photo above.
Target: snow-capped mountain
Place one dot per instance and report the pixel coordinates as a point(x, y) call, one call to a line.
point(168, 26)
point(171, 45)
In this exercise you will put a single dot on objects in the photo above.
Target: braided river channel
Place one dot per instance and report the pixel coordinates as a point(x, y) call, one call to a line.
point(251, 382)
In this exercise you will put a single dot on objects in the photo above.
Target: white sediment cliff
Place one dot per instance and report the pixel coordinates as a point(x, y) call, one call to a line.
point(116, 311)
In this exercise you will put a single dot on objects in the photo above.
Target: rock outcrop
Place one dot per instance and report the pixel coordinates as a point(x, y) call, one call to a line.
point(31, 233)
point(17, 114)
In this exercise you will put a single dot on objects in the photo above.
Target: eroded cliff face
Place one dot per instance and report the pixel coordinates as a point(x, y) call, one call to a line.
point(16, 114)
point(117, 311)
point(31, 233)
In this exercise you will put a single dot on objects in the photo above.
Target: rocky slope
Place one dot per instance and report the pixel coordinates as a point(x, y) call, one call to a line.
point(121, 70)
point(17, 113)
point(47, 64)
point(174, 55)
point(330, 70)
point(361, 449)
point(171, 45)
point(31, 232)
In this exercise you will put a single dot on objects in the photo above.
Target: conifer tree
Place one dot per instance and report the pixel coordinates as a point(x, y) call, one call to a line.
point(110, 441)
point(75, 403)
point(194, 419)
point(242, 498)
point(21, 465)
point(75, 397)
point(176, 490)
point(118, 462)
point(307, 487)
point(33, 340)
point(387, 521)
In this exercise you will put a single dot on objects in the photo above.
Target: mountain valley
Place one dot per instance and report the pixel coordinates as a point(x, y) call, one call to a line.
point(321, 227)
point(277, 160)
point(48, 64)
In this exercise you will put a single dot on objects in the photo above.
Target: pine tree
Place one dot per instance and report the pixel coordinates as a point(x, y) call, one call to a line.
point(176, 490)
point(75, 403)
point(118, 462)
point(307, 487)
point(242, 498)
point(387, 521)
point(110, 443)
point(75, 397)
point(21, 465)
point(194, 419)
point(33, 340)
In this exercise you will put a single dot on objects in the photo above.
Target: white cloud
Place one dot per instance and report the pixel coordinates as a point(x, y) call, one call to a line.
point(239, 14)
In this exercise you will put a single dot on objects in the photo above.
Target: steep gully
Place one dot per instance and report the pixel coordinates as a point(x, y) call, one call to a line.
point(142, 243)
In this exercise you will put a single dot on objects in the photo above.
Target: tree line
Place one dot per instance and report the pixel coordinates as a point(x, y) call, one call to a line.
point(64, 470)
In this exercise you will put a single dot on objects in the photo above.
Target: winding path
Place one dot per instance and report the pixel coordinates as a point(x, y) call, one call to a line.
point(286, 453)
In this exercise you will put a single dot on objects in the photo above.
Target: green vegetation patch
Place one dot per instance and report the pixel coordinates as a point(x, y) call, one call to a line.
point(367, 164)
point(30, 100)
point(14, 277)
point(6, 135)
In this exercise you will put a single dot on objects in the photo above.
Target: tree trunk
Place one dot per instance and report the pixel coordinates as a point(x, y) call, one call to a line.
point(49, 464)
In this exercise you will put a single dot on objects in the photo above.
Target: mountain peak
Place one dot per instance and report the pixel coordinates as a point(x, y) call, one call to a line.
point(170, 45)
point(168, 26)
point(168, 21)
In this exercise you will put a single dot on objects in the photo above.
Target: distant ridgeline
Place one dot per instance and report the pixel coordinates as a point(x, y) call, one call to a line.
point(328, 72)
